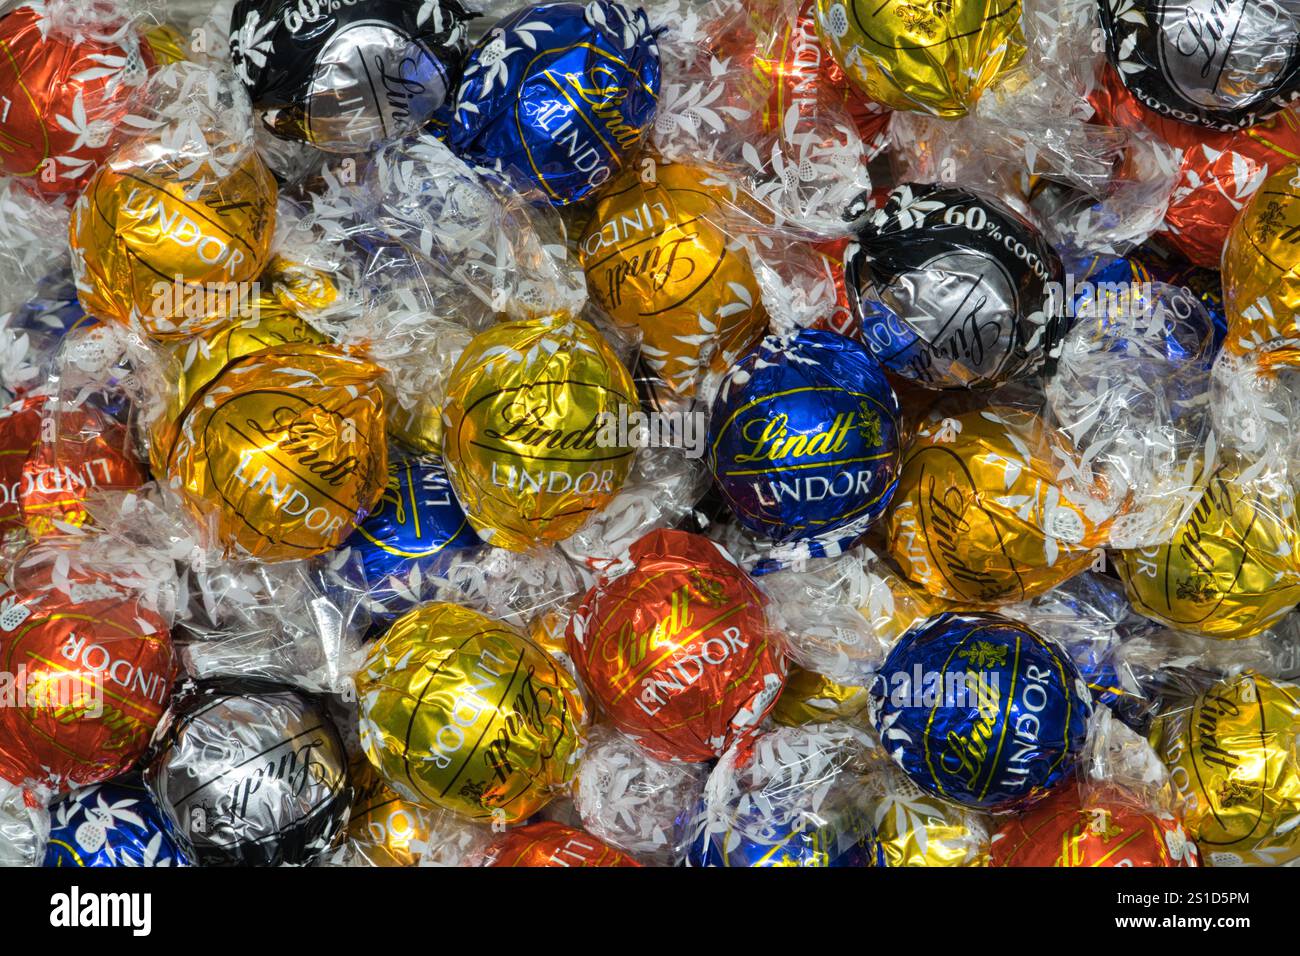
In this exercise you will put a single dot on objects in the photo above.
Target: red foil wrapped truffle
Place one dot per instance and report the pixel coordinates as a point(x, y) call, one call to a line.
point(88, 669)
point(677, 650)
point(1064, 830)
point(554, 844)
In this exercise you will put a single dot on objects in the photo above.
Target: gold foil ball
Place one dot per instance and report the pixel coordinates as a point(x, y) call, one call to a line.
point(463, 712)
point(384, 829)
point(915, 829)
point(930, 57)
point(1261, 272)
point(284, 291)
point(1232, 760)
point(657, 255)
point(981, 514)
point(174, 249)
point(531, 438)
point(284, 452)
point(1232, 568)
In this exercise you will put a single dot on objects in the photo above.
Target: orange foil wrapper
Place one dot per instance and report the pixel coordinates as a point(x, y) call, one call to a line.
point(677, 651)
point(553, 844)
point(1220, 171)
point(91, 672)
point(51, 461)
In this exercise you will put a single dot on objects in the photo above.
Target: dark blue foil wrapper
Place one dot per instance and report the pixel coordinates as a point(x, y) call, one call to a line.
point(844, 841)
point(1221, 64)
point(344, 75)
point(980, 710)
point(111, 824)
point(954, 289)
point(417, 518)
point(804, 439)
point(558, 95)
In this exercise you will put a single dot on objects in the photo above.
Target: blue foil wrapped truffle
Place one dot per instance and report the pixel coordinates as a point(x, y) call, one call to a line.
point(344, 76)
point(803, 439)
point(980, 710)
point(559, 95)
point(804, 842)
point(111, 824)
point(417, 518)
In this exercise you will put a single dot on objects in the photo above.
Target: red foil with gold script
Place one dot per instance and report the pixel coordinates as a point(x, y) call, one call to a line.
point(51, 460)
point(1064, 830)
point(677, 649)
point(91, 667)
point(554, 844)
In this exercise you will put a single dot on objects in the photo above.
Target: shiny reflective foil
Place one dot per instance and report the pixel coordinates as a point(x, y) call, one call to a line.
point(345, 76)
point(250, 774)
point(52, 459)
point(91, 669)
point(463, 712)
point(1064, 831)
point(980, 710)
point(178, 255)
point(954, 290)
point(111, 824)
point(657, 256)
point(553, 844)
point(834, 837)
point(1231, 756)
point(1261, 273)
point(167, 44)
point(929, 57)
point(1232, 568)
point(384, 829)
point(1221, 64)
point(284, 452)
point(62, 95)
point(913, 828)
point(677, 650)
point(804, 438)
point(1219, 172)
point(811, 698)
point(416, 518)
point(560, 94)
point(284, 290)
point(531, 422)
point(982, 514)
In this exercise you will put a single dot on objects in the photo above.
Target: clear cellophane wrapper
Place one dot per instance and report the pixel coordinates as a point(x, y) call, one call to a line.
point(1131, 391)
point(632, 801)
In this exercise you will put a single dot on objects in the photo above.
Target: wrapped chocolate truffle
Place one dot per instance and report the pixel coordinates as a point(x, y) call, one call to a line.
point(546, 844)
point(111, 824)
point(675, 646)
point(1222, 64)
point(804, 439)
point(986, 512)
point(466, 713)
point(980, 710)
point(559, 95)
point(935, 58)
point(954, 289)
point(1231, 754)
point(657, 255)
point(88, 664)
point(532, 443)
point(345, 76)
point(284, 452)
point(250, 774)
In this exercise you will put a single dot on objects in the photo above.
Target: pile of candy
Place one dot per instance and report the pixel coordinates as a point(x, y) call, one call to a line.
point(719, 432)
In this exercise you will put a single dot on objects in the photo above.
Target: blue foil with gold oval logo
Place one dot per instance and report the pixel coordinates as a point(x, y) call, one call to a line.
point(111, 824)
point(980, 710)
point(559, 94)
point(804, 438)
point(417, 518)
